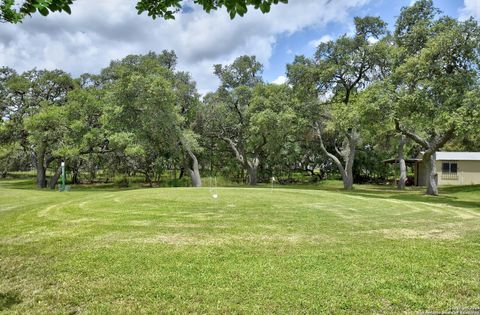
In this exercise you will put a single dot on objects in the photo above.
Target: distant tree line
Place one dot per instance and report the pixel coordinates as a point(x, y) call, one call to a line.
point(360, 99)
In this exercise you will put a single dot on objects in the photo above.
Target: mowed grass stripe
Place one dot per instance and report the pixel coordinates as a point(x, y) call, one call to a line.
point(178, 250)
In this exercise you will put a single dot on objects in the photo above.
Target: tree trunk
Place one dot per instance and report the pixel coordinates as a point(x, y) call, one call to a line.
point(93, 175)
point(148, 179)
point(348, 181)
point(431, 147)
point(252, 175)
point(41, 164)
point(41, 176)
point(252, 169)
point(250, 165)
point(55, 177)
point(430, 163)
point(75, 175)
point(191, 164)
point(403, 165)
point(349, 157)
point(41, 169)
point(195, 177)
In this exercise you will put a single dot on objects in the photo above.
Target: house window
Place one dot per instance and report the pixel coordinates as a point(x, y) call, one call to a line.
point(449, 170)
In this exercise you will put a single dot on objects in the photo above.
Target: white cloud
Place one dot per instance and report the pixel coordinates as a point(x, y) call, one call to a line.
point(99, 31)
point(323, 39)
point(280, 80)
point(470, 8)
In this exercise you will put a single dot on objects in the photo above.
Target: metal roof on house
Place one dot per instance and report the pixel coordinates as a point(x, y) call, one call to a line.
point(458, 156)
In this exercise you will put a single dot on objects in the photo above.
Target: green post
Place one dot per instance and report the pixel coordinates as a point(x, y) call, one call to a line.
point(63, 176)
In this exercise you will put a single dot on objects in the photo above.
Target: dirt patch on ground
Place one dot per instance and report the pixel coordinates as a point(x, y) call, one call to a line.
point(36, 235)
point(140, 222)
point(402, 233)
point(181, 225)
point(208, 240)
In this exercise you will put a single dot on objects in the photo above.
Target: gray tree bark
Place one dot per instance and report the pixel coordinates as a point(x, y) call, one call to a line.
point(251, 165)
point(41, 176)
point(41, 163)
point(195, 177)
point(347, 154)
point(55, 177)
point(432, 180)
point(349, 157)
point(191, 164)
point(253, 171)
point(436, 142)
point(403, 165)
point(39, 158)
point(76, 175)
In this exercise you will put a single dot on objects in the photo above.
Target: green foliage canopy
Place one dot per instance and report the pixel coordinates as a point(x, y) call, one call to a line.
point(12, 12)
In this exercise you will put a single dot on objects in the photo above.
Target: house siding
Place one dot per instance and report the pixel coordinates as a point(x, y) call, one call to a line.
point(468, 173)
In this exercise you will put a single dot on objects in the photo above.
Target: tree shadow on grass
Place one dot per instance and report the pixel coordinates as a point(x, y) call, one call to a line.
point(25, 184)
point(460, 189)
point(8, 299)
point(440, 200)
point(17, 184)
point(30, 184)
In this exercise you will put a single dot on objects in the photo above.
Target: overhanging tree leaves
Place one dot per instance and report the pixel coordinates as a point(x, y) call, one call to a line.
point(167, 8)
point(12, 12)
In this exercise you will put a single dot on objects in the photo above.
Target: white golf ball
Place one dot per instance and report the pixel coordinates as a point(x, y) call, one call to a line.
point(215, 196)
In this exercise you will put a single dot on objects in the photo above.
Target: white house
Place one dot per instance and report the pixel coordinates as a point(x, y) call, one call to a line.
point(453, 168)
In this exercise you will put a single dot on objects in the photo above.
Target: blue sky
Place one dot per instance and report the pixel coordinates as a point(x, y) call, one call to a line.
point(300, 43)
point(100, 31)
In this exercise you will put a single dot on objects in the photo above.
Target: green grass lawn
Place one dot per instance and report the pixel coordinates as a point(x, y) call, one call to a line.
point(178, 250)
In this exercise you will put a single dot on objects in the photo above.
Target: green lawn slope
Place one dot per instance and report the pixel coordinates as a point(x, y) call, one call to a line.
point(252, 250)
